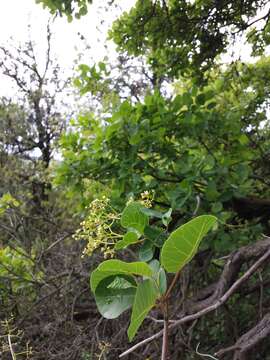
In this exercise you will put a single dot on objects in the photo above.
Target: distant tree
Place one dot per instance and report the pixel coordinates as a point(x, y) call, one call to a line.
point(31, 124)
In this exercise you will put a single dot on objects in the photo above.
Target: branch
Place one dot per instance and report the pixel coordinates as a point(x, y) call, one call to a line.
point(212, 293)
point(48, 52)
point(246, 26)
point(249, 339)
point(208, 309)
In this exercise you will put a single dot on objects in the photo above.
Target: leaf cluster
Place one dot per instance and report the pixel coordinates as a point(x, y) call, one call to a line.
point(115, 283)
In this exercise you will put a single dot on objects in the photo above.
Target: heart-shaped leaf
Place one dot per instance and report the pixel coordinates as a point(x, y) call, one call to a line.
point(155, 235)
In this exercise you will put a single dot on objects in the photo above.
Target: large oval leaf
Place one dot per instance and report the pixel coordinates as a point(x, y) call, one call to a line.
point(145, 299)
point(118, 267)
point(114, 295)
point(183, 243)
point(133, 217)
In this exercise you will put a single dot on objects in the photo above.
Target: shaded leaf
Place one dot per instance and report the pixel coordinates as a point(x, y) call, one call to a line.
point(155, 266)
point(112, 301)
point(146, 251)
point(162, 281)
point(120, 283)
point(156, 235)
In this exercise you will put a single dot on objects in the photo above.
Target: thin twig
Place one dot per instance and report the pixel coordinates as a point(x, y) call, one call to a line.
point(204, 355)
point(10, 348)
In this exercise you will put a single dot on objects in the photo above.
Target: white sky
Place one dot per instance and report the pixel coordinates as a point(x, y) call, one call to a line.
point(16, 15)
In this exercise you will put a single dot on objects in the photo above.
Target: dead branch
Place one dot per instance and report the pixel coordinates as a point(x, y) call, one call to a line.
point(235, 261)
point(249, 340)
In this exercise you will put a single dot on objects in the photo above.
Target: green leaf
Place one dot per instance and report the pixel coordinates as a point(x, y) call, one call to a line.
point(145, 299)
point(133, 217)
point(187, 99)
point(200, 99)
point(114, 295)
point(120, 283)
point(162, 281)
point(152, 213)
point(211, 192)
point(128, 239)
point(159, 276)
point(156, 235)
point(217, 207)
point(183, 243)
point(155, 266)
point(118, 267)
point(146, 251)
point(166, 218)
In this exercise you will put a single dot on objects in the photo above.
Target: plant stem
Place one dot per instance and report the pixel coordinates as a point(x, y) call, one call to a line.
point(165, 332)
point(176, 276)
point(164, 355)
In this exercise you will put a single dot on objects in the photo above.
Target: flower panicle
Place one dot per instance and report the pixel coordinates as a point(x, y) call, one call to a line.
point(96, 228)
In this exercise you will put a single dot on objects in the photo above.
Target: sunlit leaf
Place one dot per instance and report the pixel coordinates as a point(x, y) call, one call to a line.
point(129, 238)
point(133, 217)
point(145, 299)
point(183, 243)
